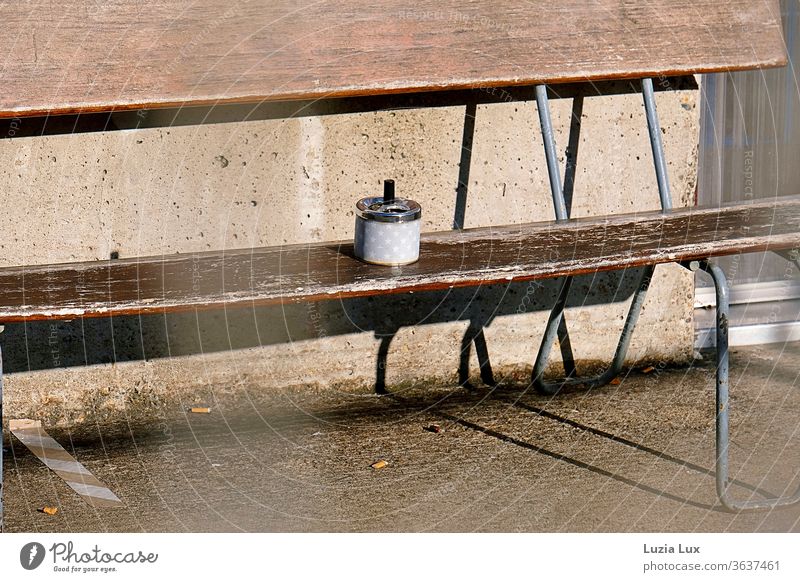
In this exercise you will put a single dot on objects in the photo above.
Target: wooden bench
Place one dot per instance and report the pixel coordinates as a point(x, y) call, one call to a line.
point(71, 68)
point(327, 271)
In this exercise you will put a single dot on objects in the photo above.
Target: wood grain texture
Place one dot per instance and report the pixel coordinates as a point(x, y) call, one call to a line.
point(449, 259)
point(84, 56)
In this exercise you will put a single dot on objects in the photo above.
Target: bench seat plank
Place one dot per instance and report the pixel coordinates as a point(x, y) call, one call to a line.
point(101, 56)
point(449, 259)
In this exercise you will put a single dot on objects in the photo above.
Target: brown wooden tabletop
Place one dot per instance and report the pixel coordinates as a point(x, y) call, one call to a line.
point(82, 56)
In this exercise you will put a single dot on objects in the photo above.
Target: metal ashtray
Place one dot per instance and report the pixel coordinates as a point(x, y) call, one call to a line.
point(387, 228)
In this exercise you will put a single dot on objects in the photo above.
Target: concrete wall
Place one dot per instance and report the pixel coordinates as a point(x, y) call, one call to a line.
point(193, 188)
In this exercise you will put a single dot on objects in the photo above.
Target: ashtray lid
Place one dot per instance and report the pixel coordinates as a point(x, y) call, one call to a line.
point(387, 208)
point(397, 210)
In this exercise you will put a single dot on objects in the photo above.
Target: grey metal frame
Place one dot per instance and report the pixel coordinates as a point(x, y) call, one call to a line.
point(556, 319)
point(556, 324)
point(723, 482)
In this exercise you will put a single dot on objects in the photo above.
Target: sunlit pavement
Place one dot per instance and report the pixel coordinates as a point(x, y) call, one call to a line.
point(637, 456)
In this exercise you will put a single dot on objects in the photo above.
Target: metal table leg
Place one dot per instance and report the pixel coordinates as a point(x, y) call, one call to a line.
point(654, 129)
point(555, 324)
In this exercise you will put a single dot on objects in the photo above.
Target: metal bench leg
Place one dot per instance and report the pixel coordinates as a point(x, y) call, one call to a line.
point(550, 153)
point(723, 407)
point(654, 130)
point(556, 324)
point(614, 369)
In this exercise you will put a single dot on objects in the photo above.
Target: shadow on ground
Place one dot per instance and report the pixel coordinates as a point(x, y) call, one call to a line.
point(633, 457)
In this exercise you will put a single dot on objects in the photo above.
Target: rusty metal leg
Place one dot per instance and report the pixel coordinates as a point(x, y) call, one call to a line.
point(556, 325)
point(723, 403)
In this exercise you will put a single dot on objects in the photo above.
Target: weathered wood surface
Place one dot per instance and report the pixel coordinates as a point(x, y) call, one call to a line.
point(449, 259)
point(84, 56)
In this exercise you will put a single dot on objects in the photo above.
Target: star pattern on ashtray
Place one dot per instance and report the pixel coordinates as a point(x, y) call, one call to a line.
point(394, 242)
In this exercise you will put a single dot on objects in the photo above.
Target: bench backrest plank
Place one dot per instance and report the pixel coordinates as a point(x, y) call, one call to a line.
point(99, 56)
point(450, 259)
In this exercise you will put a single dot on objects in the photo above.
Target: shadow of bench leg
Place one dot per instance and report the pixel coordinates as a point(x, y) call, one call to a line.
point(723, 405)
point(380, 367)
point(474, 334)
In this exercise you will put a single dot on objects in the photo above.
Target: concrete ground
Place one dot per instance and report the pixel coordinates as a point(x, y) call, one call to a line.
point(637, 456)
